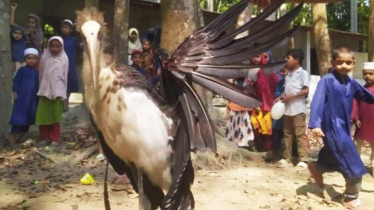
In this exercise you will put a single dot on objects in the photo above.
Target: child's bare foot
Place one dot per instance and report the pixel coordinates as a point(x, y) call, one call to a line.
point(352, 204)
point(120, 179)
point(318, 178)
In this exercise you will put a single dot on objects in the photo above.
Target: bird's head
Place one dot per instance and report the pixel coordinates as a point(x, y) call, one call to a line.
point(90, 23)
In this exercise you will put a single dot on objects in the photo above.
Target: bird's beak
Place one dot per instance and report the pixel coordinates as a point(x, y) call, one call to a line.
point(93, 56)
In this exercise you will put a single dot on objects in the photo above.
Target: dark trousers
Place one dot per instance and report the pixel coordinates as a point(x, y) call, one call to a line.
point(352, 185)
point(17, 129)
point(294, 128)
point(277, 140)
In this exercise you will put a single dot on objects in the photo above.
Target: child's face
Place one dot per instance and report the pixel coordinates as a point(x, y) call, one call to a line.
point(368, 76)
point(137, 59)
point(146, 45)
point(256, 60)
point(55, 47)
point(17, 35)
point(31, 22)
point(133, 36)
point(292, 63)
point(31, 60)
point(283, 72)
point(344, 63)
point(66, 29)
point(265, 58)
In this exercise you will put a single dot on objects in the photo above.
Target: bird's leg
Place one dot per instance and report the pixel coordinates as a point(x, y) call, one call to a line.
point(144, 202)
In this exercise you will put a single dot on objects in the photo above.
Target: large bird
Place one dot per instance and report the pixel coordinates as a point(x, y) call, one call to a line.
point(148, 135)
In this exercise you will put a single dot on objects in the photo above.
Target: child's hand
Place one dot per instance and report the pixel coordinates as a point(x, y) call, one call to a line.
point(317, 132)
point(358, 123)
point(13, 6)
point(159, 72)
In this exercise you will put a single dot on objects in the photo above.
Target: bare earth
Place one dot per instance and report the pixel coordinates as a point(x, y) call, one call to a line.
point(221, 183)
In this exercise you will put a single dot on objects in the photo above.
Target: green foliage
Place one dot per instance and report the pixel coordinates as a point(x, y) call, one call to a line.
point(218, 5)
point(338, 15)
point(305, 15)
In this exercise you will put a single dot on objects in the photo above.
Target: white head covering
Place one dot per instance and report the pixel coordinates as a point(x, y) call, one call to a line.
point(68, 21)
point(53, 72)
point(137, 45)
point(32, 51)
point(368, 66)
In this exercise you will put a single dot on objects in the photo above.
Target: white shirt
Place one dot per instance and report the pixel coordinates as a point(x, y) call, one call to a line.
point(294, 83)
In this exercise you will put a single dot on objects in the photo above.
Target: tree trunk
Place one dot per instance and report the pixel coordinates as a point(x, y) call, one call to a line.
point(290, 42)
point(91, 3)
point(371, 32)
point(5, 68)
point(179, 18)
point(121, 30)
point(321, 37)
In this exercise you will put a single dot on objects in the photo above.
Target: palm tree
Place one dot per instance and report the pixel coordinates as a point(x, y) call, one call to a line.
point(371, 32)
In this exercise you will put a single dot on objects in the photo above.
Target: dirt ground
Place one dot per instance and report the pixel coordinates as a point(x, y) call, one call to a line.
point(230, 181)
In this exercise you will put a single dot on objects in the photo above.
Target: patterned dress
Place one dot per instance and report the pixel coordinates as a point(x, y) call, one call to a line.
point(239, 129)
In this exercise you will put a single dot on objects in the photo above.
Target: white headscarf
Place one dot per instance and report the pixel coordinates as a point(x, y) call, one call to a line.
point(53, 72)
point(137, 45)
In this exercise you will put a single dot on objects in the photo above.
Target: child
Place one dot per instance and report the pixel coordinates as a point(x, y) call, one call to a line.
point(265, 89)
point(70, 46)
point(151, 62)
point(18, 46)
point(25, 88)
point(362, 114)
point(134, 42)
point(137, 63)
point(34, 33)
point(294, 119)
point(52, 91)
point(330, 119)
point(277, 125)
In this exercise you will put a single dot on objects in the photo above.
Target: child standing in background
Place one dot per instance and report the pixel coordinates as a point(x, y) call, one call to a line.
point(277, 125)
point(70, 46)
point(18, 47)
point(25, 88)
point(54, 69)
point(34, 33)
point(363, 115)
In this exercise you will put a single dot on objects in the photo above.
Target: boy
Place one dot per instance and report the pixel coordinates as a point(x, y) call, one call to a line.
point(25, 88)
point(362, 115)
point(70, 46)
point(294, 119)
point(330, 119)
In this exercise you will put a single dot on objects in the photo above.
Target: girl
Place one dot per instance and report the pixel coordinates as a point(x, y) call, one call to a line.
point(25, 88)
point(54, 68)
point(134, 42)
point(151, 62)
point(18, 46)
point(34, 33)
point(265, 89)
point(71, 47)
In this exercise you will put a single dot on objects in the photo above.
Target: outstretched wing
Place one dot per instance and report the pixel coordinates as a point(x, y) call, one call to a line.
point(212, 53)
point(208, 57)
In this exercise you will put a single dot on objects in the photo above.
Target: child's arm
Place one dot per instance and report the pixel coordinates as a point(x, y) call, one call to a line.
point(317, 107)
point(354, 115)
point(13, 8)
point(17, 82)
point(362, 94)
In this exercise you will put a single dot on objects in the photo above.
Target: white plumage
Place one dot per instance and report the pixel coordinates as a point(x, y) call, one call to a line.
point(143, 133)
